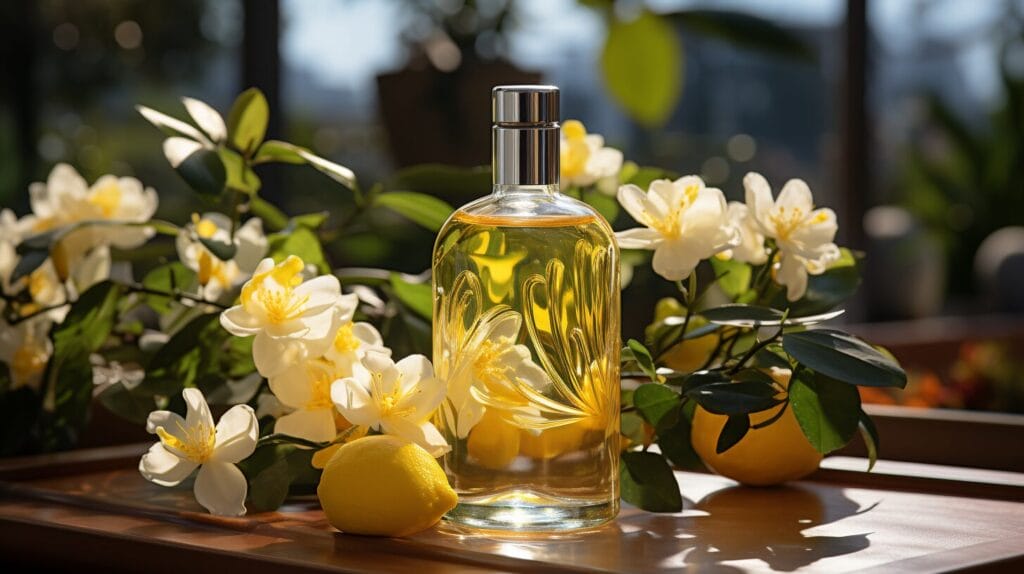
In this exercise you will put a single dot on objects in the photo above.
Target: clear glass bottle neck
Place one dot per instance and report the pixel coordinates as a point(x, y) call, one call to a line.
point(502, 190)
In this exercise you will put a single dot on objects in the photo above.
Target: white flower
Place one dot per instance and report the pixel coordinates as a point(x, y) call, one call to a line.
point(804, 235)
point(291, 319)
point(751, 246)
point(352, 342)
point(306, 389)
point(193, 441)
point(26, 348)
point(490, 369)
point(394, 398)
point(218, 276)
point(685, 222)
point(584, 158)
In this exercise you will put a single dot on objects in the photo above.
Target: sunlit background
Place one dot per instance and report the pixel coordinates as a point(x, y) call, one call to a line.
point(904, 115)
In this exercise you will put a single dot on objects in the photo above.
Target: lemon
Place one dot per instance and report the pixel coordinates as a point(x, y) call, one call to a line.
point(554, 441)
point(384, 486)
point(690, 355)
point(774, 454)
point(493, 442)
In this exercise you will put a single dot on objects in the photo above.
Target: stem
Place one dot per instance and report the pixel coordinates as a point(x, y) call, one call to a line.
point(137, 288)
point(760, 345)
point(36, 313)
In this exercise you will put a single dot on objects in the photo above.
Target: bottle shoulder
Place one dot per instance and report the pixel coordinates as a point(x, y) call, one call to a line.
point(529, 210)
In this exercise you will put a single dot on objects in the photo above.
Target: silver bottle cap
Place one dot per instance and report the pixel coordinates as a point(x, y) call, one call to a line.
point(526, 135)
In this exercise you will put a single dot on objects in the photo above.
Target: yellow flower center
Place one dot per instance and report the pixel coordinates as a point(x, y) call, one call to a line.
point(575, 154)
point(388, 402)
point(38, 283)
point(278, 301)
point(28, 361)
point(345, 341)
point(106, 199)
point(197, 444)
point(786, 221)
point(205, 228)
point(320, 378)
point(670, 226)
point(211, 268)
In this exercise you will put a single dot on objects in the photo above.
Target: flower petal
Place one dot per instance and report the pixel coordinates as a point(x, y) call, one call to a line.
point(237, 432)
point(674, 260)
point(638, 238)
point(221, 488)
point(323, 292)
point(634, 201)
point(198, 412)
point(792, 273)
point(272, 356)
point(353, 400)
point(425, 435)
point(161, 466)
point(171, 422)
point(759, 200)
point(240, 322)
point(316, 425)
point(796, 195)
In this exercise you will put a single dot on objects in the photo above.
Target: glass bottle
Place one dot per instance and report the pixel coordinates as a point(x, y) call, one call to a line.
point(526, 334)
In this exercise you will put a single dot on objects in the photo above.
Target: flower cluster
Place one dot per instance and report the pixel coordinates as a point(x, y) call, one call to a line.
point(685, 222)
point(84, 222)
point(584, 158)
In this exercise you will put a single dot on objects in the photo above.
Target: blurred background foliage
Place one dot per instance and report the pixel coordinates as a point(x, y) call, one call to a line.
point(716, 88)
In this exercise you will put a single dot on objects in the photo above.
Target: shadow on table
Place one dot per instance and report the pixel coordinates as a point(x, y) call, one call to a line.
point(768, 524)
point(736, 523)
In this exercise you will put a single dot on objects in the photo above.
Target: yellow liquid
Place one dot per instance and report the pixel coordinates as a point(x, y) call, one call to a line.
point(526, 332)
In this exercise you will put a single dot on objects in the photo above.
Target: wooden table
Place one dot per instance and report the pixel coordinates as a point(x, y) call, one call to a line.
point(91, 509)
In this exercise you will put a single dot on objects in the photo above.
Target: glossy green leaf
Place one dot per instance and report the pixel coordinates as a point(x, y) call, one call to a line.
point(203, 171)
point(280, 152)
point(272, 470)
point(301, 242)
point(221, 250)
point(416, 296)
point(247, 121)
point(870, 435)
point(636, 351)
point(733, 276)
point(338, 173)
point(273, 218)
point(674, 442)
point(240, 176)
point(828, 290)
point(648, 482)
point(167, 278)
point(734, 398)
point(741, 315)
point(844, 358)
point(827, 410)
point(643, 68)
point(736, 427)
point(430, 212)
point(657, 404)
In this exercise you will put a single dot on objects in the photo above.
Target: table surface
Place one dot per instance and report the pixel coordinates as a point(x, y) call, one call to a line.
point(840, 520)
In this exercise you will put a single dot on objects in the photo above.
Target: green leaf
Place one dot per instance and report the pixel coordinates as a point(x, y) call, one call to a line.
point(280, 152)
point(338, 173)
point(827, 410)
point(745, 31)
point(430, 212)
point(733, 276)
point(189, 353)
point(826, 291)
point(301, 242)
point(736, 427)
point(742, 315)
point(240, 176)
point(675, 444)
point(221, 250)
point(203, 171)
point(312, 221)
point(636, 351)
point(84, 330)
point(648, 482)
point(167, 278)
point(735, 398)
point(272, 470)
point(169, 125)
point(642, 67)
point(416, 296)
point(273, 218)
point(133, 407)
point(657, 404)
point(30, 260)
point(247, 121)
point(844, 358)
point(870, 435)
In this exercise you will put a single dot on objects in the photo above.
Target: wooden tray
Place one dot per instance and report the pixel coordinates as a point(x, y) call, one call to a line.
point(92, 509)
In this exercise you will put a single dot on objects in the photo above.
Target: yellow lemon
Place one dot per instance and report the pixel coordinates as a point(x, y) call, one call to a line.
point(554, 441)
point(774, 454)
point(688, 356)
point(384, 486)
point(493, 442)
